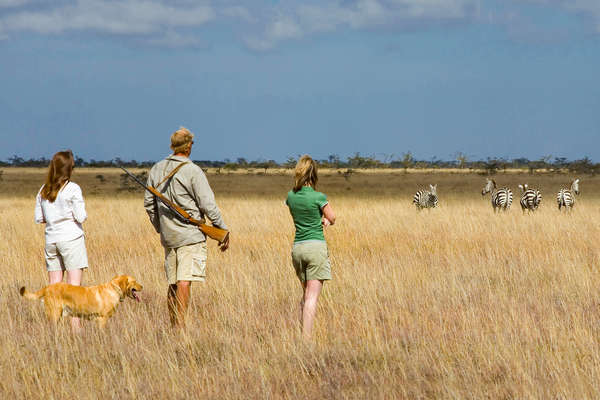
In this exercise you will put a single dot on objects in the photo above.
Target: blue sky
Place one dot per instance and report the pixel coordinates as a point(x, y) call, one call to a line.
point(272, 79)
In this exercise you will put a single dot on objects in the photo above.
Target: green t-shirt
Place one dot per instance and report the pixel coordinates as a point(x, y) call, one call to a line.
point(305, 206)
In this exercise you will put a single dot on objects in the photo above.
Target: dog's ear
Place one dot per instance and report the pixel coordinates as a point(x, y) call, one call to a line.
point(121, 281)
point(131, 282)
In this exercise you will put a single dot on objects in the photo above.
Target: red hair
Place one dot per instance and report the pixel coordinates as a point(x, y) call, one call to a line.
point(59, 173)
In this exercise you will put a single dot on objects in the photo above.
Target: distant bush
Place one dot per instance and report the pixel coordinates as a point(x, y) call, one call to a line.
point(127, 184)
point(347, 174)
point(489, 166)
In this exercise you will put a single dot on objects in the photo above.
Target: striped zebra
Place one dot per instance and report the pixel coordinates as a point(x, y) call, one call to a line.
point(530, 198)
point(565, 197)
point(426, 198)
point(501, 198)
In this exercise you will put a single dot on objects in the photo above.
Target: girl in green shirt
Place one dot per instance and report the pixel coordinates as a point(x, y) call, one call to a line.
point(311, 212)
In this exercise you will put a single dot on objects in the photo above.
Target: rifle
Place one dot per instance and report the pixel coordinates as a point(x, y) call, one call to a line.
point(218, 234)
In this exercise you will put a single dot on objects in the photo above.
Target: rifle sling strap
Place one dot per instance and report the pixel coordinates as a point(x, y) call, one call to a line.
point(170, 175)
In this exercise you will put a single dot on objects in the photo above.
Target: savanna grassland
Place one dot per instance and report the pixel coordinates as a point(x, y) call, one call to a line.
point(451, 303)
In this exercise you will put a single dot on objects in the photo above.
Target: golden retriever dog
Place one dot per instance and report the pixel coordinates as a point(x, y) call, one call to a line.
point(98, 302)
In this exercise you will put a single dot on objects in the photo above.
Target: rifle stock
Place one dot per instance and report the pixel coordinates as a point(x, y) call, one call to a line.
point(218, 234)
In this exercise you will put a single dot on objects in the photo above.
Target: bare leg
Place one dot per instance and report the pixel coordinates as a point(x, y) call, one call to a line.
point(55, 277)
point(301, 309)
point(172, 304)
point(178, 299)
point(74, 278)
point(183, 299)
point(311, 295)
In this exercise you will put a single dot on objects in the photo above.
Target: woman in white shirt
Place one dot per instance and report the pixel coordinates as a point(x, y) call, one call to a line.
point(59, 205)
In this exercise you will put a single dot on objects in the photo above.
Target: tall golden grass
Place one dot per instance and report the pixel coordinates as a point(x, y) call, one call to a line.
point(451, 303)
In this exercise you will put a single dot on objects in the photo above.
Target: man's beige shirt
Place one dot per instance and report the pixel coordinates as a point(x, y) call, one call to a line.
point(189, 189)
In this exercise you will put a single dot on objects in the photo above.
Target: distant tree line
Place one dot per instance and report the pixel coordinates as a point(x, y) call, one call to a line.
point(356, 161)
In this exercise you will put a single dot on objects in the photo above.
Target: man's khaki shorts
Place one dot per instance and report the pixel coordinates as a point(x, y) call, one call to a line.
point(311, 260)
point(67, 255)
point(186, 263)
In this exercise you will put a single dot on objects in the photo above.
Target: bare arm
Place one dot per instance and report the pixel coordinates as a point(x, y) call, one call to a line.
point(328, 215)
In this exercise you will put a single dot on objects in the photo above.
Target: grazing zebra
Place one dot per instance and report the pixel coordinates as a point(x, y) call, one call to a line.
point(501, 198)
point(426, 198)
point(565, 197)
point(530, 198)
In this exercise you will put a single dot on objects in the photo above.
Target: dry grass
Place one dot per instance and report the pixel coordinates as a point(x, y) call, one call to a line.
point(452, 303)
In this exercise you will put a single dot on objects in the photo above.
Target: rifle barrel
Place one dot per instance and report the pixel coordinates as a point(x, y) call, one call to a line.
point(164, 201)
point(135, 178)
point(218, 234)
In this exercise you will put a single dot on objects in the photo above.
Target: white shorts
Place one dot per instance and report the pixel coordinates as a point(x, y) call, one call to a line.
point(67, 255)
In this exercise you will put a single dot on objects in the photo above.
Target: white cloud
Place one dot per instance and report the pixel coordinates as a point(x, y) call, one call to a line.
point(239, 12)
point(284, 28)
point(13, 3)
point(263, 26)
point(174, 39)
point(112, 17)
point(365, 13)
point(325, 16)
point(281, 28)
point(586, 8)
point(439, 9)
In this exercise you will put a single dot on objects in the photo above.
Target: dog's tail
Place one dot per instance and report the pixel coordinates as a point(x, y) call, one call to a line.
point(31, 295)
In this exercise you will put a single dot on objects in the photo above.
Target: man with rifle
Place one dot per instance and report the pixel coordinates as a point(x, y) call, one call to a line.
point(177, 199)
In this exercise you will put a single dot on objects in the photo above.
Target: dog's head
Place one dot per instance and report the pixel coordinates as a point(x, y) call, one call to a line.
point(128, 285)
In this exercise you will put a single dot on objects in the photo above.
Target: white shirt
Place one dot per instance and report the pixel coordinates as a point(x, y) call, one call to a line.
point(64, 216)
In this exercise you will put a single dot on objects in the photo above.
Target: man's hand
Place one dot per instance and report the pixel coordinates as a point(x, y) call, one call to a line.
point(325, 222)
point(224, 245)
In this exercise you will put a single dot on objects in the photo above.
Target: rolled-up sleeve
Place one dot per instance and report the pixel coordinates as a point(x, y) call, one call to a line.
point(322, 200)
point(78, 206)
point(205, 199)
point(39, 213)
point(150, 204)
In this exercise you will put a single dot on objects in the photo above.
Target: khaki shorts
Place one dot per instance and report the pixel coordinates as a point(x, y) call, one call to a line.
point(186, 263)
point(67, 255)
point(311, 261)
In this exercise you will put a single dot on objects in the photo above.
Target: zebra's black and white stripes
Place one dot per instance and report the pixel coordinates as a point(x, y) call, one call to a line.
point(426, 198)
point(566, 197)
point(530, 198)
point(501, 198)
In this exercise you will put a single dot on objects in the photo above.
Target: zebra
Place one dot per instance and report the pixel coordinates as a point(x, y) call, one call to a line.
point(501, 198)
point(530, 198)
point(565, 197)
point(426, 198)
